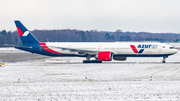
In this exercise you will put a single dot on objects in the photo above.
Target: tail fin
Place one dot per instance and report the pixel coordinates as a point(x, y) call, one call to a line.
point(25, 35)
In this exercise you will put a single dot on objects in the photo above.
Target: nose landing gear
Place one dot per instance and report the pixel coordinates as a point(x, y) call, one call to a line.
point(163, 61)
point(164, 58)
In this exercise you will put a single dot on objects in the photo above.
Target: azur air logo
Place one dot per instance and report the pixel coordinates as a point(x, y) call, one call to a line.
point(153, 46)
point(135, 49)
point(144, 46)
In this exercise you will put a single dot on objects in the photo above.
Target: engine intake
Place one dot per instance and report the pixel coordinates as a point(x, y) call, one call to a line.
point(105, 56)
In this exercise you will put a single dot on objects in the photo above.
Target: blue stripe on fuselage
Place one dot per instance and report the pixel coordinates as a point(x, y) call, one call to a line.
point(141, 55)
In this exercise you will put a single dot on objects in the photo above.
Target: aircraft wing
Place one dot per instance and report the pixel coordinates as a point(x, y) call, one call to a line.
point(80, 51)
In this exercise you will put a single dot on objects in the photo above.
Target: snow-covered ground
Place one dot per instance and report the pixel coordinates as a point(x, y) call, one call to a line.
point(46, 78)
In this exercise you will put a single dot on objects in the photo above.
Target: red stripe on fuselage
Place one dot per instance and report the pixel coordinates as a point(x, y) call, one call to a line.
point(46, 48)
point(134, 48)
point(19, 31)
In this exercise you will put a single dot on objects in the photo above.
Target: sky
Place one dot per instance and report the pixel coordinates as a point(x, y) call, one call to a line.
point(157, 16)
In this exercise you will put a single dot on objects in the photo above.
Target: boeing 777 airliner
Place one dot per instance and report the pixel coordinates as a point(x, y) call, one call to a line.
point(101, 51)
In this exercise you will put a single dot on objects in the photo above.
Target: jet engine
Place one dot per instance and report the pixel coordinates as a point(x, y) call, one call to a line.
point(105, 56)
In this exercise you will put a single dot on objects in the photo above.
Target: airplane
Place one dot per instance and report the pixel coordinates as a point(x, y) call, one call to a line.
point(101, 51)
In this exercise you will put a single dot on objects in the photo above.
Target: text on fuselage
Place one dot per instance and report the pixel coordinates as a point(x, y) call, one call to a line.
point(147, 46)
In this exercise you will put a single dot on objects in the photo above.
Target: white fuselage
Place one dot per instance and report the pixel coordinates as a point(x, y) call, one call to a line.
point(120, 48)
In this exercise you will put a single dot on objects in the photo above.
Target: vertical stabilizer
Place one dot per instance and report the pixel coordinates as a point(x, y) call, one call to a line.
point(25, 35)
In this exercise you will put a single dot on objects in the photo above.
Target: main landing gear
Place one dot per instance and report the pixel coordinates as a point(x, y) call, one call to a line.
point(91, 61)
point(164, 58)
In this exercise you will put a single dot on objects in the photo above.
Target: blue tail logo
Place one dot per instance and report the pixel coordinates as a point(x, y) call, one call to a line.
point(25, 35)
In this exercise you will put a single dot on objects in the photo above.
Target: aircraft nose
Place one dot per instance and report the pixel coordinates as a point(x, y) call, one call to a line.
point(175, 51)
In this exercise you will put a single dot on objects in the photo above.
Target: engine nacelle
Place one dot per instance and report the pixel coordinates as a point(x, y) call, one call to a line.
point(105, 56)
point(119, 58)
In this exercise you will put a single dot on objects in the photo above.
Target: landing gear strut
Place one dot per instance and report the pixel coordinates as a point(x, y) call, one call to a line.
point(164, 58)
point(91, 61)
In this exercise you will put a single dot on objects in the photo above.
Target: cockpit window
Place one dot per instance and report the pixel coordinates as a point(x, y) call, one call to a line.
point(171, 48)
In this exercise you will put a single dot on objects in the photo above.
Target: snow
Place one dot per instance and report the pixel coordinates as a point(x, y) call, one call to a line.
point(11, 50)
point(68, 79)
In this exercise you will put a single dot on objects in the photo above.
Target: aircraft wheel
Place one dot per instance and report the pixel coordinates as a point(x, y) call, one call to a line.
point(84, 61)
point(163, 61)
point(99, 62)
point(92, 61)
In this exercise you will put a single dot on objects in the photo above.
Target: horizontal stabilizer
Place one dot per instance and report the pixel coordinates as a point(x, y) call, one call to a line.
point(16, 46)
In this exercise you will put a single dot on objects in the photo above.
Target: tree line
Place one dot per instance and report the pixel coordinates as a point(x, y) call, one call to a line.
point(67, 35)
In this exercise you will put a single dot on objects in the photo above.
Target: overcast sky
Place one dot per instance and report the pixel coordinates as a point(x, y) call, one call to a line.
point(103, 15)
